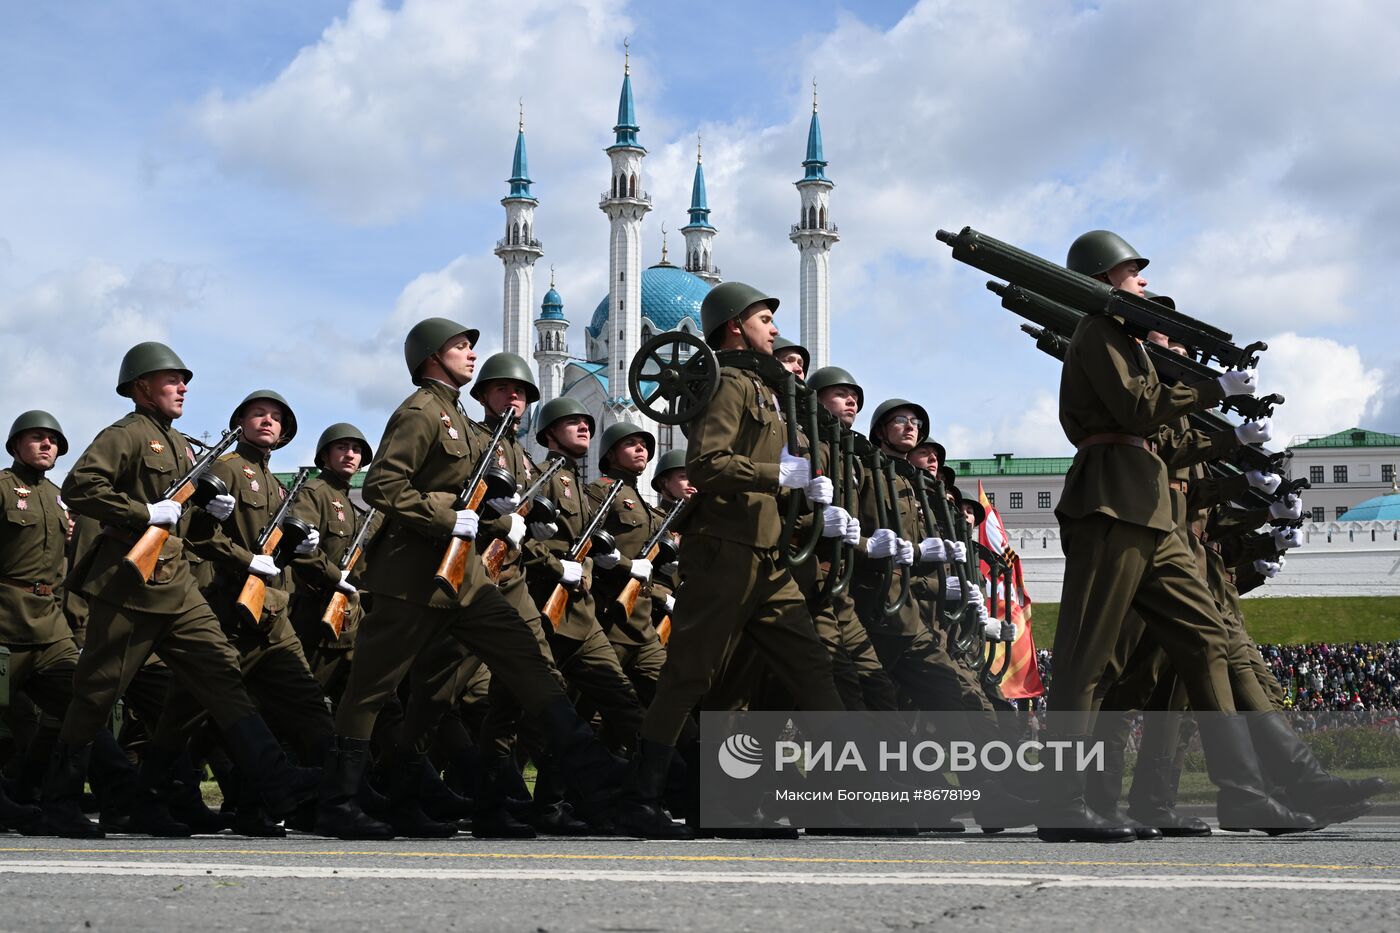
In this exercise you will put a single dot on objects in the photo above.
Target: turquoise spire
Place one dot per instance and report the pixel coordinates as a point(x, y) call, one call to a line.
point(814, 163)
point(626, 128)
point(699, 204)
point(519, 167)
point(552, 308)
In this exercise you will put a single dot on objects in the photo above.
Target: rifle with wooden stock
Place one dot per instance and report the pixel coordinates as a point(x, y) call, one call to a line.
point(487, 478)
point(280, 538)
point(195, 486)
point(660, 541)
point(334, 616)
point(533, 508)
point(559, 599)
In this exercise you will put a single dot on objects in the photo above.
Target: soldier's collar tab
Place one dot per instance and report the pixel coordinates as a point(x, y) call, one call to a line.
point(26, 472)
point(252, 452)
point(154, 415)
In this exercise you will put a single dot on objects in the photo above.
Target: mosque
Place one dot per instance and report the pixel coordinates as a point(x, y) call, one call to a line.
point(592, 366)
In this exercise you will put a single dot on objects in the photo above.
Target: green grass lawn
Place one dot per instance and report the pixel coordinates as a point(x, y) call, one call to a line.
point(1287, 620)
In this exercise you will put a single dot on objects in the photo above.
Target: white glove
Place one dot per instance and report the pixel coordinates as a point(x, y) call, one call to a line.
point(221, 506)
point(1264, 482)
point(670, 603)
point(820, 491)
point(345, 586)
point(164, 512)
point(517, 530)
point(1268, 568)
point(609, 560)
point(573, 573)
point(1010, 631)
point(263, 565)
point(543, 531)
point(1285, 538)
point(312, 542)
point(975, 597)
point(932, 549)
point(959, 550)
point(641, 569)
point(1289, 507)
point(881, 543)
point(465, 527)
point(504, 505)
point(905, 555)
point(952, 590)
point(1240, 382)
point(793, 472)
point(834, 521)
point(852, 533)
point(990, 627)
point(1255, 432)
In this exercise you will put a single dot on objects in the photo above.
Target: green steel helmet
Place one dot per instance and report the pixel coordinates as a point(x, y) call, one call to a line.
point(1097, 251)
point(620, 431)
point(888, 405)
point(148, 357)
point(979, 514)
point(30, 420)
point(289, 423)
point(727, 301)
point(505, 366)
point(343, 431)
point(427, 337)
point(1166, 300)
point(673, 459)
point(782, 343)
point(557, 408)
point(829, 376)
point(938, 448)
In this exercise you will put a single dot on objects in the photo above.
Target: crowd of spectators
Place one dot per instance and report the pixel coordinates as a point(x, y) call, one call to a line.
point(1327, 676)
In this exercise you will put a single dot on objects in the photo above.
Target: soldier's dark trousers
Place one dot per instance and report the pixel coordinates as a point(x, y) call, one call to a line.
point(729, 590)
point(1111, 567)
point(642, 664)
point(118, 642)
point(395, 633)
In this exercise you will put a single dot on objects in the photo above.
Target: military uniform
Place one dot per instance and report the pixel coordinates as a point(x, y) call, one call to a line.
point(731, 544)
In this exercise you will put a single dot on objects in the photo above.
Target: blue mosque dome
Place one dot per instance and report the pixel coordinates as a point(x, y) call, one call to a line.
point(552, 308)
point(1384, 508)
point(669, 295)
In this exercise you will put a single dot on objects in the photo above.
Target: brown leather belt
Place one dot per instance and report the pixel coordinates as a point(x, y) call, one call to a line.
point(38, 589)
point(1129, 440)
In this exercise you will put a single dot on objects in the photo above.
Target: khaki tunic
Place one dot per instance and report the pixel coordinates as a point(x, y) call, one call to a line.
point(632, 523)
point(32, 541)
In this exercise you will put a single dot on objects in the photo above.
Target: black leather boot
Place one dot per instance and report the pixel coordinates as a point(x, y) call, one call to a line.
point(22, 818)
point(492, 818)
point(63, 791)
point(406, 814)
point(173, 779)
point(1068, 817)
point(129, 806)
point(640, 812)
point(1288, 761)
point(438, 800)
point(338, 814)
point(592, 772)
point(261, 760)
point(1152, 799)
point(1242, 802)
point(551, 814)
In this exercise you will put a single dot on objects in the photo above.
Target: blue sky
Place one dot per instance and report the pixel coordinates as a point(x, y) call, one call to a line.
point(280, 189)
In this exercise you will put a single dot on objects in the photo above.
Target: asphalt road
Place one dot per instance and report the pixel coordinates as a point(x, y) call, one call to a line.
point(1342, 878)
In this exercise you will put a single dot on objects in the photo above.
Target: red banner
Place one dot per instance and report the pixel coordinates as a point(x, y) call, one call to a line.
point(1022, 679)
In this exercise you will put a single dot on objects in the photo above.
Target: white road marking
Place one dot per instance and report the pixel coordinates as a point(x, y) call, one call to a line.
point(662, 876)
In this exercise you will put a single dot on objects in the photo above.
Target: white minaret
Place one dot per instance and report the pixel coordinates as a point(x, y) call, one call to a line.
point(626, 203)
point(518, 250)
point(699, 233)
point(814, 234)
point(551, 343)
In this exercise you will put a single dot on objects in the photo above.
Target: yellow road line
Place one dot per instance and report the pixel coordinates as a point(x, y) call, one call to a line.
point(743, 859)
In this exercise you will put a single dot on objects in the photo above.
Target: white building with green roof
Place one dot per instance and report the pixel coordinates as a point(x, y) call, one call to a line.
point(1345, 469)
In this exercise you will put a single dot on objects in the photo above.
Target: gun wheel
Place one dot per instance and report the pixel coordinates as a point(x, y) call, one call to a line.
point(673, 377)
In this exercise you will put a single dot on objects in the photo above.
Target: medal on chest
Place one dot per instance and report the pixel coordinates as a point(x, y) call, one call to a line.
point(629, 504)
point(253, 485)
point(22, 505)
point(23, 501)
point(156, 447)
point(339, 509)
point(447, 423)
point(568, 487)
point(189, 452)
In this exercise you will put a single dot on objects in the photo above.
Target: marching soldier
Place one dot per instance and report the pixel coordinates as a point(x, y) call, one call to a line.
point(625, 452)
point(1121, 553)
point(119, 481)
point(325, 505)
point(270, 656)
point(427, 453)
point(730, 545)
point(672, 486)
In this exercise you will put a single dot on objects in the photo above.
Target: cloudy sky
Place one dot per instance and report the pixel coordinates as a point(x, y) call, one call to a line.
point(280, 189)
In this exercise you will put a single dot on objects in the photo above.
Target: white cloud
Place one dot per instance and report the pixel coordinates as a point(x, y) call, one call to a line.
point(1327, 385)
